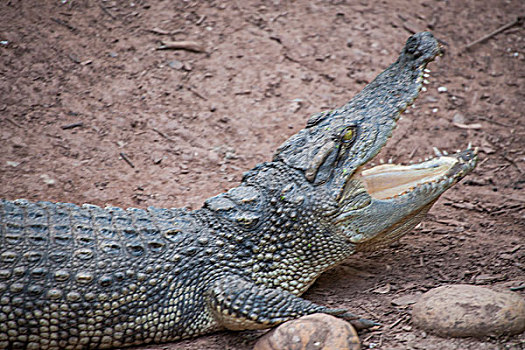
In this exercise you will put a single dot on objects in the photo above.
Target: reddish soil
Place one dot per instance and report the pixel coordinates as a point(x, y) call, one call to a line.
point(191, 123)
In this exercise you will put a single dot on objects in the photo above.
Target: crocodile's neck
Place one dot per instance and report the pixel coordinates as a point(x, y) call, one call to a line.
point(278, 221)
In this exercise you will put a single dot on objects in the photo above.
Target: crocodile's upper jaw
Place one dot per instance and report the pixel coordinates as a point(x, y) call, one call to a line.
point(388, 181)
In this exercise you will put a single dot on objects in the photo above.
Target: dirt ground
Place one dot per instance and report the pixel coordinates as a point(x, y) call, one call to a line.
point(189, 123)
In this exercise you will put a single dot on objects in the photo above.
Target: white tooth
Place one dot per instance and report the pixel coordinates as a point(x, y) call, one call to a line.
point(424, 89)
point(382, 161)
point(390, 161)
point(437, 152)
point(426, 75)
point(469, 145)
point(427, 70)
point(445, 153)
point(426, 82)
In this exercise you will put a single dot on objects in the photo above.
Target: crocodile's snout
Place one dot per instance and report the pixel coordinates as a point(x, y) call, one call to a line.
point(422, 45)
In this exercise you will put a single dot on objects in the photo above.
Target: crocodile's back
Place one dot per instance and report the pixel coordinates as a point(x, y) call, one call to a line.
point(80, 277)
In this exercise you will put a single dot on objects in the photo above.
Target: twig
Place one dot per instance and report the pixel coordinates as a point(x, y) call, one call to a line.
point(370, 312)
point(126, 159)
point(516, 21)
point(513, 162)
point(106, 11)
point(517, 207)
point(515, 289)
point(72, 126)
point(495, 122)
point(398, 321)
point(411, 28)
point(369, 337)
point(65, 24)
point(14, 123)
point(200, 20)
point(482, 162)
point(412, 153)
point(161, 31)
point(290, 58)
point(163, 135)
point(198, 94)
point(442, 276)
point(468, 126)
point(181, 45)
point(282, 14)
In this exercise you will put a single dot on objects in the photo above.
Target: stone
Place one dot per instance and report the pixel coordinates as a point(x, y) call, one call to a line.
point(458, 118)
point(469, 311)
point(405, 300)
point(312, 332)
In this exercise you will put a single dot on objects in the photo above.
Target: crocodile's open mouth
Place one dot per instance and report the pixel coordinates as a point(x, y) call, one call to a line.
point(398, 197)
point(388, 181)
point(392, 180)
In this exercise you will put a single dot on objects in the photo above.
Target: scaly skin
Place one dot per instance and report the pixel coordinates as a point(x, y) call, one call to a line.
point(80, 277)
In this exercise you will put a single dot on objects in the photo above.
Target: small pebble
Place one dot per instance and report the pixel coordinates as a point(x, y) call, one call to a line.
point(469, 311)
point(48, 180)
point(458, 118)
point(296, 105)
point(317, 331)
point(176, 64)
point(442, 89)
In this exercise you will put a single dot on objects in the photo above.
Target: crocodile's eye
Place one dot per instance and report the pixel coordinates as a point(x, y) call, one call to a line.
point(349, 135)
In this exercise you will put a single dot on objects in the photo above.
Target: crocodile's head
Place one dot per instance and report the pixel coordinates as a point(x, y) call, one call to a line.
point(375, 205)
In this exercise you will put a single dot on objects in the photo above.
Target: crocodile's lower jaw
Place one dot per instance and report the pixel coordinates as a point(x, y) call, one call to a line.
point(388, 181)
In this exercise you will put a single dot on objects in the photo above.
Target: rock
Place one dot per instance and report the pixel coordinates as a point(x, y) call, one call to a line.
point(458, 118)
point(317, 331)
point(296, 105)
point(48, 180)
point(405, 300)
point(467, 310)
point(176, 64)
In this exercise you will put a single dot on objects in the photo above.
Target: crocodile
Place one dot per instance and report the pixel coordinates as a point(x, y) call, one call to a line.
point(86, 277)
